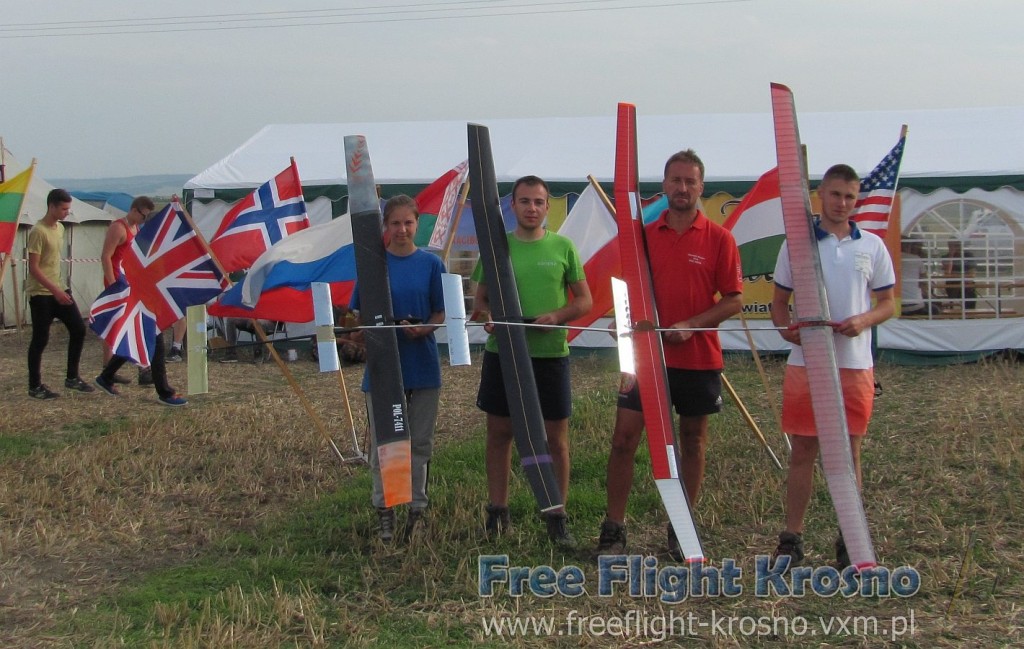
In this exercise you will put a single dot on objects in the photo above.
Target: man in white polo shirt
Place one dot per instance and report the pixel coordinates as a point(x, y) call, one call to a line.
point(857, 269)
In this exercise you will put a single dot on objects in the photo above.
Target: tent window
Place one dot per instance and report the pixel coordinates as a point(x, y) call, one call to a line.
point(968, 257)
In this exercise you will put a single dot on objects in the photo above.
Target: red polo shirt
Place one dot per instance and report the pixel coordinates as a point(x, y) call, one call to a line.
point(690, 271)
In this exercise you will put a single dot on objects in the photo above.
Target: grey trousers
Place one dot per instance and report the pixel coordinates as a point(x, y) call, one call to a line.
point(422, 414)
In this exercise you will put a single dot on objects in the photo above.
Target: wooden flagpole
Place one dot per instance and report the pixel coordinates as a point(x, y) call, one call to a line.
point(289, 377)
point(725, 381)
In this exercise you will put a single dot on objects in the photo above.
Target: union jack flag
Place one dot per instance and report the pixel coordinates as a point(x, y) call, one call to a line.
point(877, 191)
point(261, 219)
point(168, 268)
point(124, 323)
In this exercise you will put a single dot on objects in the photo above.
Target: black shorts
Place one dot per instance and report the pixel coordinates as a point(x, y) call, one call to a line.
point(551, 376)
point(694, 393)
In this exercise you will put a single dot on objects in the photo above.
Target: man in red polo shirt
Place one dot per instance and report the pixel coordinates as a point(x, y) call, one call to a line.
point(698, 282)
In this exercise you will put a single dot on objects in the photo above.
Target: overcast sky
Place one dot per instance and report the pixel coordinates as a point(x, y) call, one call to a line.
point(133, 87)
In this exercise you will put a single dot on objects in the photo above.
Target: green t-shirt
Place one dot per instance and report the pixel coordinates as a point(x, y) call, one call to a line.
point(47, 243)
point(544, 269)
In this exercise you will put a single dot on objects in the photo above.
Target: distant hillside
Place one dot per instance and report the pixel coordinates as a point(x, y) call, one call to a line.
point(159, 185)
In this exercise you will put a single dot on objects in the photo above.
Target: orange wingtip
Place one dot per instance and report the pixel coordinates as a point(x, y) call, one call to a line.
point(396, 472)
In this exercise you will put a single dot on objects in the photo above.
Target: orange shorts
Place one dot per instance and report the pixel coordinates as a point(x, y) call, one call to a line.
point(858, 396)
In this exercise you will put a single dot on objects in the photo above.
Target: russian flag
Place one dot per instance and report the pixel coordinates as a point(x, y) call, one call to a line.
point(277, 286)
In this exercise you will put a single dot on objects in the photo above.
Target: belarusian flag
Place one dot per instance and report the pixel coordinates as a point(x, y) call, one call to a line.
point(439, 199)
point(12, 194)
point(756, 223)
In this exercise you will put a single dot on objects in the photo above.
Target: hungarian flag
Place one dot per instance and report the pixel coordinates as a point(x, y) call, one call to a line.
point(440, 198)
point(275, 210)
point(877, 191)
point(756, 224)
point(591, 227)
point(12, 195)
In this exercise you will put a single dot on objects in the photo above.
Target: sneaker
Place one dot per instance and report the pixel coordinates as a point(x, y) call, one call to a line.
point(842, 556)
point(107, 386)
point(174, 400)
point(413, 522)
point(78, 385)
point(790, 544)
point(558, 531)
point(146, 377)
point(42, 392)
point(498, 520)
point(120, 380)
point(612, 539)
point(230, 356)
point(174, 356)
point(674, 551)
point(385, 524)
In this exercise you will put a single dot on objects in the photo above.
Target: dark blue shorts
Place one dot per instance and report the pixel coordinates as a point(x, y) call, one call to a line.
point(553, 387)
point(694, 393)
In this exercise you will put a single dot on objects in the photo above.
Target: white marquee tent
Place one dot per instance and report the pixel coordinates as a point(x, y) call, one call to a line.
point(965, 153)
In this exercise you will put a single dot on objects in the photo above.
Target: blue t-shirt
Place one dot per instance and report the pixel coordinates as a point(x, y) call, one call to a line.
point(416, 292)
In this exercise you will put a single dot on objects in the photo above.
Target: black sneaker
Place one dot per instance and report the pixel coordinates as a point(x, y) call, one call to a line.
point(674, 550)
point(498, 520)
point(230, 356)
point(107, 386)
point(842, 556)
point(78, 385)
point(385, 524)
point(42, 392)
point(413, 522)
point(558, 530)
point(612, 539)
point(792, 545)
point(146, 376)
point(120, 380)
point(174, 356)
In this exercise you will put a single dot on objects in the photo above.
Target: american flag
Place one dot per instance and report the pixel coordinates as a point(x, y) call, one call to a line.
point(124, 323)
point(168, 268)
point(877, 191)
point(261, 219)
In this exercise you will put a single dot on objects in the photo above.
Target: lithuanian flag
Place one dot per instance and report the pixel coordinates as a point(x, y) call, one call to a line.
point(12, 194)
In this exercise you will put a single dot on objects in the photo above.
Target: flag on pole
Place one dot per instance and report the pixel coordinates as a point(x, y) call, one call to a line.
point(277, 287)
point(12, 195)
point(168, 269)
point(275, 210)
point(121, 319)
point(440, 198)
point(877, 191)
point(591, 227)
point(756, 224)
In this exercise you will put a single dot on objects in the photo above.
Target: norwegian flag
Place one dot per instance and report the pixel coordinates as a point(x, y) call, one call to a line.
point(168, 268)
point(124, 323)
point(261, 219)
point(877, 191)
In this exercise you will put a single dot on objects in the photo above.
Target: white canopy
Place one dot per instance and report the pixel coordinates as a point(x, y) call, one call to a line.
point(735, 147)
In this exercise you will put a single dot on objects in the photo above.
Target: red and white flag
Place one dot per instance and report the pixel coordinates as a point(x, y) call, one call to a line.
point(440, 198)
point(591, 227)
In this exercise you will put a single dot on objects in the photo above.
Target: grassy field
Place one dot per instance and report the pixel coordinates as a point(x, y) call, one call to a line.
point(229, 524)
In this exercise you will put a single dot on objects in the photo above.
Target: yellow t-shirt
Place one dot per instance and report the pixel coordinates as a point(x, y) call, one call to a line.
point(47, 243)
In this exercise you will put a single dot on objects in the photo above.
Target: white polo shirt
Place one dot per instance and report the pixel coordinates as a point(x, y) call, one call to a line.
point(853, 268)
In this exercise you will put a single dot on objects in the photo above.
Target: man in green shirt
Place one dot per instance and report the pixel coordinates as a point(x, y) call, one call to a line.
point(47, 299)
point(552, 291)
